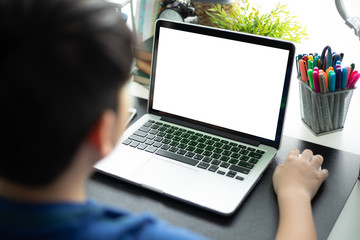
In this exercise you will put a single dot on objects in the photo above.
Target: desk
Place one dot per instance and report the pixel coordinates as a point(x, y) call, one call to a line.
point(347, 140)
point(135, 199)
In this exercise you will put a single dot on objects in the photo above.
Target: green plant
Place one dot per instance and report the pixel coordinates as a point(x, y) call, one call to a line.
point(245, 18)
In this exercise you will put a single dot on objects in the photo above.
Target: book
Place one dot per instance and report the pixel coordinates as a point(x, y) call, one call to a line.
point(146, 15)
point(144, 66)
point(140, 15)
point(141, 77)
point(143, 51)
point(152, 11)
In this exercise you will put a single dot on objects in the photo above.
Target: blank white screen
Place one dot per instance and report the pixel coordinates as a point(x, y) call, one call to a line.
point(231, 84)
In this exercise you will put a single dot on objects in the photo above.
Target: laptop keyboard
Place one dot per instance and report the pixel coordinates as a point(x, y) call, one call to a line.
point(197, 149)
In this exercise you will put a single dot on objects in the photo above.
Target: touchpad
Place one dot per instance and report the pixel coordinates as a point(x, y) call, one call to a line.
point(164, 176)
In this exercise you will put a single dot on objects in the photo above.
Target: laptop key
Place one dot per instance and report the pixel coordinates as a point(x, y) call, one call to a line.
point(173, 149)
point(150, 149)
point(153, 131)
point(244, 158)
point(239, 169)
point(157, 144)
point(253, 160)
point(161, 129)
point(224, 165)
point(147, 124)
point(226, 153)
point(142, 146)
point(182, 146)
point(231, 174)
point(161, 134)
point(150, 136)
point(239, 178)
point(245, 164)
point(149, 142)
point(255, 155)
point(137, 138)
point(185, 135)
point(126, 142)
point(201, 145)
point(154, 126)
point(226, 147)
point(193, 137)
point(134, 144)
point(209, 148)
point(198, 150)
point(190, 148)
point(218, 145)
point(184, 141)
point(158, 139)
point(181, 152)
point(207, 153)
point(207, 159)
point(233, 161)
point(213, 168)
point(216, 162)
point(241, 146)
point(235, 149)
point(165, 147)
point(203, 165)
point(144, 129)
point(251, 149)
point(173, 143)
point(224, 158)
point(244, 152)
point(189, 154)
point(176, 157)
point(217, 150)
point(176, 138)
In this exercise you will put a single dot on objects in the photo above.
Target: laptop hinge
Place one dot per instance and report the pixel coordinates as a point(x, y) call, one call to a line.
point(211, 131)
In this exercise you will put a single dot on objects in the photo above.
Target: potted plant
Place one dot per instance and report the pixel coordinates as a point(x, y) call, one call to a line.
point(278, 23)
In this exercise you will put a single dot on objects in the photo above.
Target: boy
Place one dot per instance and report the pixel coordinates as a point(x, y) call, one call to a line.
point(64, 66)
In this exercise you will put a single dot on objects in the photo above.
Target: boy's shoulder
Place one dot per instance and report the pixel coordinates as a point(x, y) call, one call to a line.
point(82, 220)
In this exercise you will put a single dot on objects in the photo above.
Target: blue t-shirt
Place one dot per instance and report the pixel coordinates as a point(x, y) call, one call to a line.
point(88, 220)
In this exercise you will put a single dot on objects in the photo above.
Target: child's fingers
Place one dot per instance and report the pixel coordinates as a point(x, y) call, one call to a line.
point(324, 174)
point(317, 161)
point(293, 153)
point(306, 155)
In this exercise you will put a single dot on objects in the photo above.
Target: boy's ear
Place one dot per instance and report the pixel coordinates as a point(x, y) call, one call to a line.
point(101, 134)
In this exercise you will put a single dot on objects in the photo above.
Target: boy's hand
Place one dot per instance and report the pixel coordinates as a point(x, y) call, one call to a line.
point(299, 175)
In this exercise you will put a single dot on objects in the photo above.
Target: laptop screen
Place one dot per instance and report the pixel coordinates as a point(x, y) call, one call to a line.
point(233, 84)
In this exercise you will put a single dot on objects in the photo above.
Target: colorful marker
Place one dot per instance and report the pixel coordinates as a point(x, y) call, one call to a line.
point(332, 81)
point(311, 81)
point(316, 81)
point(343, 77)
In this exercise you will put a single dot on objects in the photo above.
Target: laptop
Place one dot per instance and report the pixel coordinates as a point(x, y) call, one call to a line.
point(215, 116)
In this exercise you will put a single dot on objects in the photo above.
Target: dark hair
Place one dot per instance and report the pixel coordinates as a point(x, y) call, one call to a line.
point(62, 63)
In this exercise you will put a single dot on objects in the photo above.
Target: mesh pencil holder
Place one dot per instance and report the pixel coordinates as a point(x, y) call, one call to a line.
point(324, 113)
